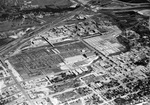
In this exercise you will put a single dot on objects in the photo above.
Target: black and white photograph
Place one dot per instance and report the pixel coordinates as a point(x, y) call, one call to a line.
point(74, 52)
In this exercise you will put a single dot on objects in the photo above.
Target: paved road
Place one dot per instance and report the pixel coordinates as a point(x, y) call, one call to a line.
point(16, 82)
point(131, 3)
point(121, 9)
point(21, 41)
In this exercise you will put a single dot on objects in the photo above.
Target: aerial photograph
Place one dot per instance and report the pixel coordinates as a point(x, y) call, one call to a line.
point(74, 52)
